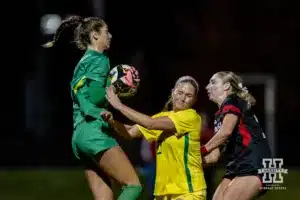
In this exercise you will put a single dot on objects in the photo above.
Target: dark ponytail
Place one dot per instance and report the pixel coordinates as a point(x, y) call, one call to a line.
point(70, 22)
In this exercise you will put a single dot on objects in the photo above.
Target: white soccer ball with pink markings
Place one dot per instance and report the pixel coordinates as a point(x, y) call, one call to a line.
point(126, 80)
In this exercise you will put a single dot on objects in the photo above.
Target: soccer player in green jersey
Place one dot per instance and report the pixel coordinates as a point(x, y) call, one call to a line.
point(92, 142)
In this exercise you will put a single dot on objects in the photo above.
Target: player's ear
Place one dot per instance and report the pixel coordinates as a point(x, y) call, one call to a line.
point(227, 86)
point(94, 35)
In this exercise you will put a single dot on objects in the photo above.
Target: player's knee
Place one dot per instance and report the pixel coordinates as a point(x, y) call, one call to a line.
point(131, 192)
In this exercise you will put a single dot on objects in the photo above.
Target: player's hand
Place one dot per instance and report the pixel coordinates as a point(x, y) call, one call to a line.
point(107, 116)
point(113, 98)
point(114, 89)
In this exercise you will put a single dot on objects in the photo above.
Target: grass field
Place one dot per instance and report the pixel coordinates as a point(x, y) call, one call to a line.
point(70, 184)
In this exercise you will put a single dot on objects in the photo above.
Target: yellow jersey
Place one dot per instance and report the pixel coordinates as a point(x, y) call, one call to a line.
point(178, 156)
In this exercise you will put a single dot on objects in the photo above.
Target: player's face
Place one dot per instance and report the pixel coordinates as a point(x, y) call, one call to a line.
point(215, 89)
point(183, 96)
point(104, 37)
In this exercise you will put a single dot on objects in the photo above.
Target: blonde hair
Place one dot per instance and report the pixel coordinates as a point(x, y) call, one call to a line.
point(183, 79)
point(236, 83)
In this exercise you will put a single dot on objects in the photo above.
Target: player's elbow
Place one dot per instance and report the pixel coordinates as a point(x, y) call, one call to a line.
point(151, 124)
point(162, 123)
point(226, 132)
point(134, 132)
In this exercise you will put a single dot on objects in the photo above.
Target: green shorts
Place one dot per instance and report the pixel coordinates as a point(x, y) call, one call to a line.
point(91, 138)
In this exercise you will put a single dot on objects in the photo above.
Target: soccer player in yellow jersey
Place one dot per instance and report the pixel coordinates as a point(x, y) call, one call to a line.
point(179, 173)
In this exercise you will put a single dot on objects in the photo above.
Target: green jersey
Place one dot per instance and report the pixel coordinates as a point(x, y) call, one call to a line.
point(93, 67)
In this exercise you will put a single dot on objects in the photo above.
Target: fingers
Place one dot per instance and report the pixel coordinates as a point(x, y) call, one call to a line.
point(112, 98)
point(106, 115)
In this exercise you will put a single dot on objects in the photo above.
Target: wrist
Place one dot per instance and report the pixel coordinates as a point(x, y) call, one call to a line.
point(204, 150)
point(111, 121)
point(113, 88)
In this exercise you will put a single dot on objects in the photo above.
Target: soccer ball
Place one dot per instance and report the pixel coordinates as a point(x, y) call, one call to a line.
point(125, 78)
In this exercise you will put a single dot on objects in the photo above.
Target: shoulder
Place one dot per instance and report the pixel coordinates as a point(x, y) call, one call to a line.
point(98, 65)
point(160, 114)
point(233, 103)
point(94, 58)
point(187, 115)
point(231, 100)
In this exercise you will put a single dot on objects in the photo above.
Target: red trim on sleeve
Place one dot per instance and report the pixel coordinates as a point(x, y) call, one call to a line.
point(227, 108)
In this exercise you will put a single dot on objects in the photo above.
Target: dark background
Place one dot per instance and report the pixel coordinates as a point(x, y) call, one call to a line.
point(164, 41)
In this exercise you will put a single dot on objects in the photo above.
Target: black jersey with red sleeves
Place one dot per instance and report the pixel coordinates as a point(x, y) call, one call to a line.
point(247, 145)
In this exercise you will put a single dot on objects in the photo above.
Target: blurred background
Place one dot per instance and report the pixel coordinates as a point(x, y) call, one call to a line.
point(163, 41)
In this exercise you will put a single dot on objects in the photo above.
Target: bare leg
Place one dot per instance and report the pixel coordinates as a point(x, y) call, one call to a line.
point(115, 163)
point(218, 195)
point(246, 188)
point(99, 188)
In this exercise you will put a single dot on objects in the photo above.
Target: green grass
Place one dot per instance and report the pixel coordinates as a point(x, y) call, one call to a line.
point(70, 184)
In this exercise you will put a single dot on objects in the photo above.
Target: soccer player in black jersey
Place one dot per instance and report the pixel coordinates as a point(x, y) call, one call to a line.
point(238, 135)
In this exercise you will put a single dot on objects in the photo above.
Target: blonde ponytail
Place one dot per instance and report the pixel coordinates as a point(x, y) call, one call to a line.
point(168, 105)
point(244, 94)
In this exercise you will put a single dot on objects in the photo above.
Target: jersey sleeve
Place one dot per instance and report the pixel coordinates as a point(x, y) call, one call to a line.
point(98, 70)
point(232, 106)
point(185, 121)
point(150, 135)
point(96, 93)
point(90, 89)
point(86, 106)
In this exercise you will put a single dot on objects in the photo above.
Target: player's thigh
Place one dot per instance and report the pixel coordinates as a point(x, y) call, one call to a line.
point(245, 187)
point(116, 164)
point(99, 187)
point(218, 195)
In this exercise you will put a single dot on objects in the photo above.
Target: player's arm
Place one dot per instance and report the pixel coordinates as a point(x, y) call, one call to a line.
point(128, 127)
point(159, 123)
point(96, 80)
point(96, 92)
point(90, 98)
point(229, 123)
point(231, 111)
point(125, 131)
point(86, 106)
point(178, 123)
point(93, 93)
point(211, 158)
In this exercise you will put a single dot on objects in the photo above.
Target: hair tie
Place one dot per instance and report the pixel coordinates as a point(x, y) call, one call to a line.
point(240, 85)
point(48, 44)
point(245, 89)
